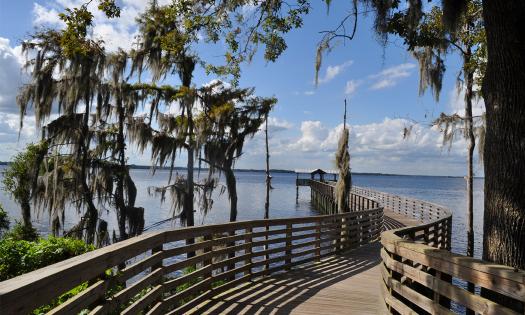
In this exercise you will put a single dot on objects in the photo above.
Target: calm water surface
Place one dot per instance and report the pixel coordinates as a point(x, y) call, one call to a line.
point(446, 191)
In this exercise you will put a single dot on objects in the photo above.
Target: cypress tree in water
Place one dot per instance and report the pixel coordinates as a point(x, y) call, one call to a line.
point(230, 117)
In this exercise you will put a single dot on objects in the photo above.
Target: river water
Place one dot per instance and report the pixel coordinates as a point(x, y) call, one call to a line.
point(447, 191)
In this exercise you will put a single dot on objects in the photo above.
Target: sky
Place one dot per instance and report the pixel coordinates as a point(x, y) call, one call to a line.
point(380, 84)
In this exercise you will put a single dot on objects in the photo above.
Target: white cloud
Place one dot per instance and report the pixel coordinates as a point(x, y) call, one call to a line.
point(276, 124)
point(13, 139)
point(10, 76)
point(313, 134)
point(47, 16)
point(309, 93)
point(390, 76)
point(114, 36)
point(351, 86)
point(334, 71)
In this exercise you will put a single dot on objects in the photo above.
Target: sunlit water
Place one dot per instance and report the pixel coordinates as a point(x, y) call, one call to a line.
point(446, 191)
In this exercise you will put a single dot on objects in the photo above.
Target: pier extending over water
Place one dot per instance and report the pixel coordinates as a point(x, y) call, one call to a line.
point(351, 262)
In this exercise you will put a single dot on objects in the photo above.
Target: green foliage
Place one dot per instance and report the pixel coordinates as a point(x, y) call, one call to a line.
point(78, 21)
point(174, 28)
point(61, 299)
point(4, 221)
point(22, 232)
point(18, 178)
point(19, 256)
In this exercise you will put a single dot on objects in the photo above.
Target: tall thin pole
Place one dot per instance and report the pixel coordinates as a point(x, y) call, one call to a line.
point(268, 186)
point(268, 176)
point(344, 117)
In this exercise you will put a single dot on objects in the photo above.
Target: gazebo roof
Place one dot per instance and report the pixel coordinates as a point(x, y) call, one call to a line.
point(318, 171)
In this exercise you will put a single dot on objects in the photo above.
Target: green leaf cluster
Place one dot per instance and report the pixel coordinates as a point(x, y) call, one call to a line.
point(19, 256)
point(78, 20)
point(4, 220)
point(18, 177)
point(22, 232)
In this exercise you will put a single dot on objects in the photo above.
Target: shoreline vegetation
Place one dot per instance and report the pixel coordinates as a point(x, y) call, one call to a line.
point(276, 171)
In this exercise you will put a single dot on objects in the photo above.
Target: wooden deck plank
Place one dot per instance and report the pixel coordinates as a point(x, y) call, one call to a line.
point(344, 284)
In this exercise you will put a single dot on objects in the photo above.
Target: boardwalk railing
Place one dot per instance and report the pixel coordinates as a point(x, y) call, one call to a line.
point(323, 197)
point(420, 274)
point(164, 273)
point(423, 211)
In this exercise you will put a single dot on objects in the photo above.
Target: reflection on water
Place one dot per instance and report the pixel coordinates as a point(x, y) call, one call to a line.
point(449, 192)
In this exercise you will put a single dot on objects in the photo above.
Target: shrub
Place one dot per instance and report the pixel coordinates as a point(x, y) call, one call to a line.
point(4, 221)
point(21, 232)
point(19, 256)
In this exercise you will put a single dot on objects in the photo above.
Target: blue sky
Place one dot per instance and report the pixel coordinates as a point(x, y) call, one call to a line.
point(380, 83)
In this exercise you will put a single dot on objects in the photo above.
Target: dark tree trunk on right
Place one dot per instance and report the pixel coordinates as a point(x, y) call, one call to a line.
point(504, 94)
point(504, 154)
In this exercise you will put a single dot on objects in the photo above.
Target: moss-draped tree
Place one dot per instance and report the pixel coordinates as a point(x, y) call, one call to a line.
point(230, 117)
point(20, 177)
point(82, 114)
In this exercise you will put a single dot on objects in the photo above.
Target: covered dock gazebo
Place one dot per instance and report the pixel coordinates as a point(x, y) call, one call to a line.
point(303, 176)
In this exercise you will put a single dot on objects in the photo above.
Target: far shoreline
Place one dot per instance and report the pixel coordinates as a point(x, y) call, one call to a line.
point(278, 171)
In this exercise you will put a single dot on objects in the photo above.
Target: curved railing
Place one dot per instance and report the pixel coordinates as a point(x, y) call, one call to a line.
point(164, 273)
point(420, 275)
point(323, 198)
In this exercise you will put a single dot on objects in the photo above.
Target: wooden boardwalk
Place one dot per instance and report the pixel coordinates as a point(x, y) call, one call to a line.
point(341, 284)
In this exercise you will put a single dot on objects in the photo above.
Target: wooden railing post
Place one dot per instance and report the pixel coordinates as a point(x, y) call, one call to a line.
point(449, 234)
point(248, 250)
point(344, 234)
point(288, 259)
point(389, 287)
point(231, 254)
point(318, 239)
point(266, 256)
point(156, 266)
point(208, 263)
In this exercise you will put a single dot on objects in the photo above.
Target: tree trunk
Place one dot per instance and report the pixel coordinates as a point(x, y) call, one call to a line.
point(504, 153)
point(231, 184)
point(91, 216)
point(26, 213)
point(188, 203)
point(471, 143)
point(190, 186)
point(268, 177)
point(119, 198)
point(504, 94)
